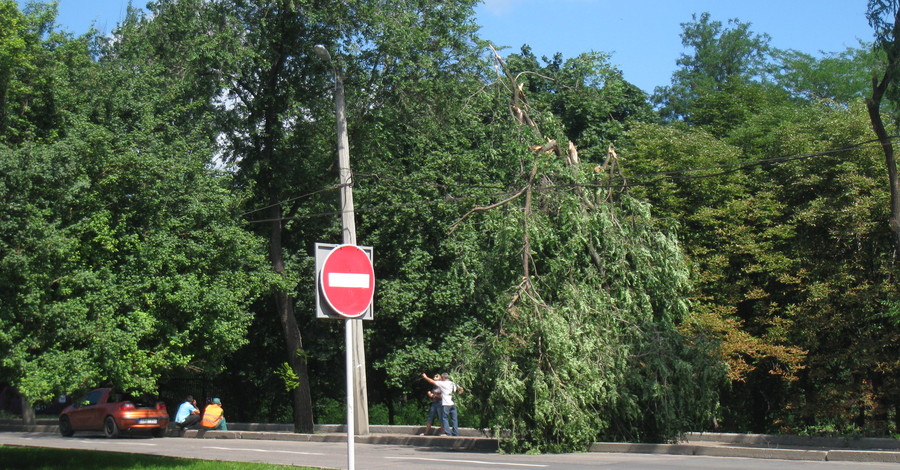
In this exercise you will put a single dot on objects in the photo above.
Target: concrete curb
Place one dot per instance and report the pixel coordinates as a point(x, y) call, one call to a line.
point(863, 456)
point(779, 440)
point(726, 449)
point(757, 453)
point(628, 448)
point(29, 428)
point(710, 451)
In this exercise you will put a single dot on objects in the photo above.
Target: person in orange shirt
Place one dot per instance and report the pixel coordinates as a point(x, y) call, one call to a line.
point(214, 416)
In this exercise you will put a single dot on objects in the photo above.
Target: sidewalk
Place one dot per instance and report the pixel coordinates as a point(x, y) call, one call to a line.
point(758, 446)
point(468, 439)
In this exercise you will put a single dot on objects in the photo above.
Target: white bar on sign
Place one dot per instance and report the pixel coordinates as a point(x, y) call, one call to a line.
point(348, 280)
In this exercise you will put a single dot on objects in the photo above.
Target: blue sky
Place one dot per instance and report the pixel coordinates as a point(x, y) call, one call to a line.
point(642, 36)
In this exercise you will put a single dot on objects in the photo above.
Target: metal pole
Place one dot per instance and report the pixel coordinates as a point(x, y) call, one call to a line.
point(348, 346)
point(348, 221)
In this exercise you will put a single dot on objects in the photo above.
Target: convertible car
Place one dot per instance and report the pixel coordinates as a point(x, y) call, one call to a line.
point(106, 410)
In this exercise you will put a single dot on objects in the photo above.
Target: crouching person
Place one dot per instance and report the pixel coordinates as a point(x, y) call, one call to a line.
point(188, 414)
point(214, 416)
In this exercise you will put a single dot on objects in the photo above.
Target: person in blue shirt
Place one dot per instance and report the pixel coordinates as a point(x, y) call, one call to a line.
point(436, 410)
point(188, 414)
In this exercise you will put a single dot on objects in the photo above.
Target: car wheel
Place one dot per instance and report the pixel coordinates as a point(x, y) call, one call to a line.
point(65, 427)
point(158, 432)
point(110, 428)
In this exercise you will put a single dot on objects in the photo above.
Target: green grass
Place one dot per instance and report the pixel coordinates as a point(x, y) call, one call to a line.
point(35, 458)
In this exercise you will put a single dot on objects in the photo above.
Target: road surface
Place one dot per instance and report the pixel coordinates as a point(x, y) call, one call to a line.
point(333, 455)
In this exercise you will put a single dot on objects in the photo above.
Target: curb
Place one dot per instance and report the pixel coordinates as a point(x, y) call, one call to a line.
point(780, 440)
point(863, 456)
point(29, 428)
point(710, 451)
point(720, 449)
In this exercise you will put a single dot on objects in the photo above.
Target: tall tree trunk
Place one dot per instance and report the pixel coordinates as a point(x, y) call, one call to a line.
point(874, 107)
point(272, 104)
point(284, 304)
point(891, 45)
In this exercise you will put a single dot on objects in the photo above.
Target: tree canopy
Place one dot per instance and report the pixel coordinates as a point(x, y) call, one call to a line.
point(123, 258)
point(589, 261)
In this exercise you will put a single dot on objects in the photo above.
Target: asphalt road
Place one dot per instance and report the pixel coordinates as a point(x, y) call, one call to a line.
point(333, 455)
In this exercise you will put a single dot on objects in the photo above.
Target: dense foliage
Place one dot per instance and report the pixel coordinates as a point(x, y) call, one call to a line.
point(122, 257)
point(589, 262)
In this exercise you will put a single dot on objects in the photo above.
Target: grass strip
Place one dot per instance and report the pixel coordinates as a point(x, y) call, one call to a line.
point(39, 458)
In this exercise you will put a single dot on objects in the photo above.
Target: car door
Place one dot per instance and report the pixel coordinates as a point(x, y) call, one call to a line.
point(87, 412)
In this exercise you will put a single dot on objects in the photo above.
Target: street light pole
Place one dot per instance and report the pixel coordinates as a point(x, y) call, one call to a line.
point(354, 329)
point(348, 221)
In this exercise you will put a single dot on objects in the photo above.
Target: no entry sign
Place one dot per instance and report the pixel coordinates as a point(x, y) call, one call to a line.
point(346, 280)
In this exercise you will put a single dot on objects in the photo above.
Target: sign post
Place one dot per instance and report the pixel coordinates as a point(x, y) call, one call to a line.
point(345, 287)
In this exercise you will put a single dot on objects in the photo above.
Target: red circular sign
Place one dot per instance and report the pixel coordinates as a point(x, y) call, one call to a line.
point(347, 281)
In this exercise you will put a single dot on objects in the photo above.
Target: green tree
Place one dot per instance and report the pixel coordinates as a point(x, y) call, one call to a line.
point(773, 217)
point(726, 61)
point(251, 63)
point(747, 222)
point(837, 309)
point(12, 52)
point(113, 268)
point(581, 293)
point(724, 225)
point(841, 77)
point(438, 143)
point(276, 118)
point(34, 61)
point(589, 95)
point(588, 347)
point(423, 147)
point(883, 17)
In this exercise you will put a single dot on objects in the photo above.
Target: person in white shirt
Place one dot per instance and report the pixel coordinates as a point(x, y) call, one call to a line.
point(449, 416)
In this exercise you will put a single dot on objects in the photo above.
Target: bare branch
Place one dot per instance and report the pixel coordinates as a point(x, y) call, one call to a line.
point(454, 225)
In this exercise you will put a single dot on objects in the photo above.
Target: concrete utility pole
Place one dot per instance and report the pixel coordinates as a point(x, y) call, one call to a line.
point(354, 327)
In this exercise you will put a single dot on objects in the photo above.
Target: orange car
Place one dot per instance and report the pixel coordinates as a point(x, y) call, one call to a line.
point(111, 412)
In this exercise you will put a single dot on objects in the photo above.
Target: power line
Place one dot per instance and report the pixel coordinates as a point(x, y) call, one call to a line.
point(285, 201)
point(408, 182)
point(657, 177)
point(384, 207)
point(751, 163)
point(673, 173)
